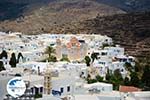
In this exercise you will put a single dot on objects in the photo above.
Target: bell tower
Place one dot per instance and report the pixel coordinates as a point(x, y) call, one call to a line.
point(58, 49)
point(47, 80)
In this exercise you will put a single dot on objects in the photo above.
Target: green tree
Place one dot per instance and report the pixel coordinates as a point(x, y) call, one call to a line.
point(13, 60)
point(87, 60)
point(115, 82)
point(134, 79)
point(1, 66)
point(36, 96)
point(116, 79)
point(3, 54)
point(138, 67)
point(146, 76)
point(50, 50)
point(118, 75)
point(93, 56)
point(105, 45)
point(128, 66)
point(126, 81)
point(99, 78)
point(90, 81)
point(65, 58)
point(108, 75)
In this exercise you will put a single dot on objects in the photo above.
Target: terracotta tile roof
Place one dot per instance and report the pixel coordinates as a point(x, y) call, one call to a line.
point(128, 89)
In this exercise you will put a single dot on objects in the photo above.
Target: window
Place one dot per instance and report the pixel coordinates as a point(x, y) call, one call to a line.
point(124, 60)
point(130, 60)
point(118, 51)
point(103, 53)
point(103, 89)
point(21, 47)
point(32, 90)
point(68, 88)
point(82, 73)
point(36, 90)
point(48, 86)
point(41, 89)
point(48, 92)
point(48, 78)
point(61, 90)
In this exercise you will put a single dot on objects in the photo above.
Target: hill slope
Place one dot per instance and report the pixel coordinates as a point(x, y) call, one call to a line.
point(11, 9)
point(129, 5)
point(59, 13)
point(132, 31)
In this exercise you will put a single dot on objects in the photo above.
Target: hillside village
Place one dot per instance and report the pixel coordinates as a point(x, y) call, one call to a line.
point(68, 67)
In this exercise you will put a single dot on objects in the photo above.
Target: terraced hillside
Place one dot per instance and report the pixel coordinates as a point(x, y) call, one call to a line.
point(132, 31)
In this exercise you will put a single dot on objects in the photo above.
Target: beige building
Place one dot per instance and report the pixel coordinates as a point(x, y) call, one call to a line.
point(47, 82)
point(74, 49)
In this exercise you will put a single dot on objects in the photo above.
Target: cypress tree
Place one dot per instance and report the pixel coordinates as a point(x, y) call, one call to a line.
point(13, 60)
point(1, 66)
point(3, 54)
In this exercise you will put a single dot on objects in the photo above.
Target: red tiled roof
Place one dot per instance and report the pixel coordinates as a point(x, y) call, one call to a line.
point(128, 89)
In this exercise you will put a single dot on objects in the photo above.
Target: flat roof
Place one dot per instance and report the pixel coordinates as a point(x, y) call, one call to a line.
point(97, 84)
point(32, 78)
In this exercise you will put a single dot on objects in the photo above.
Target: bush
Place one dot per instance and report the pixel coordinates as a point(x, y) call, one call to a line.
point(87, 60)
point(105, 45)
point(65, 58)
point(90, 81)
point(38, 96)
point(1, 66)
point(99, 78)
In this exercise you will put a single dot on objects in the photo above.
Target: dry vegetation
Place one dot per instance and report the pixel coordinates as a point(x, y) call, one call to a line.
point(57, 16)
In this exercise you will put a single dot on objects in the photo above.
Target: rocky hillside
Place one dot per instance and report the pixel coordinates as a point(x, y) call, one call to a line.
point(129, 5)
point(47, 18)
point(12, 9)
point(132, 31)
